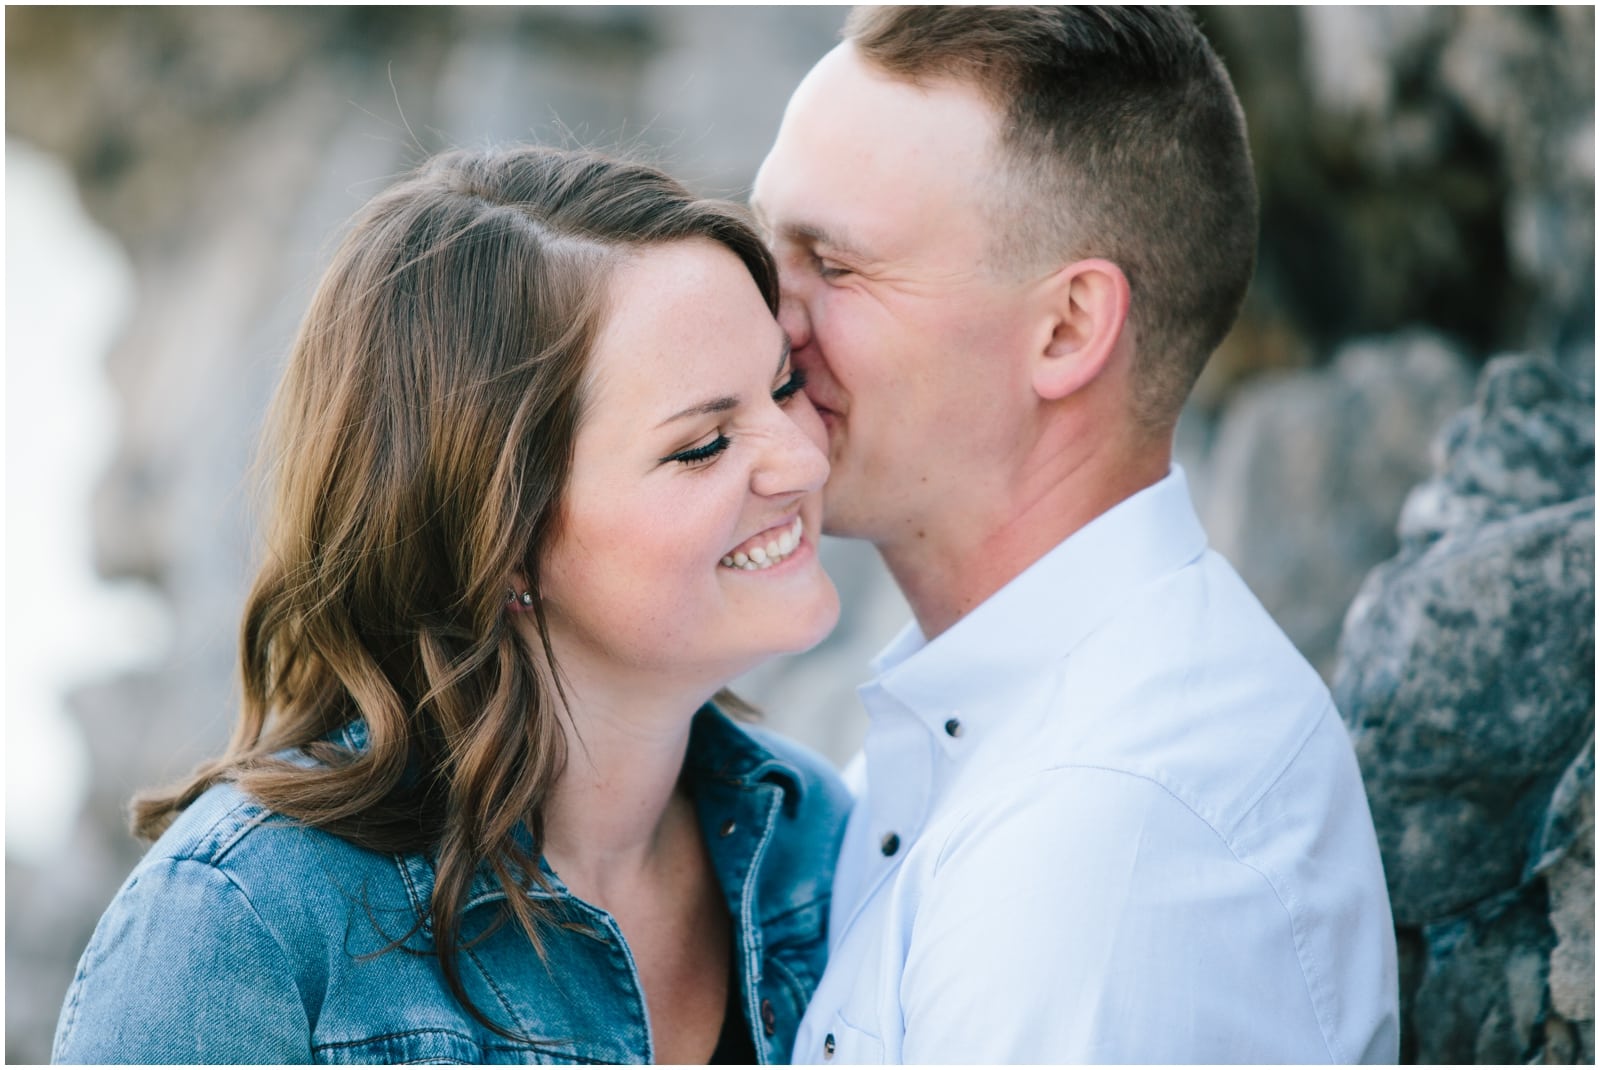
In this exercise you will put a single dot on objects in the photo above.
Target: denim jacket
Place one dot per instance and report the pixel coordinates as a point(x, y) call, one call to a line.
point(243, 936)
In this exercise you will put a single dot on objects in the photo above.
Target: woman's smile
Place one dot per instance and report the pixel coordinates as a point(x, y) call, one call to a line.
point(699, 449)
point(768, 548)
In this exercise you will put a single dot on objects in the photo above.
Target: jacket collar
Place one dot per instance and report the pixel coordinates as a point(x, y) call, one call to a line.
point(721, 754)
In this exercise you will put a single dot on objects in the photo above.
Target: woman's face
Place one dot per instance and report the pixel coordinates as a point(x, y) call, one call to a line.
point(687, 543)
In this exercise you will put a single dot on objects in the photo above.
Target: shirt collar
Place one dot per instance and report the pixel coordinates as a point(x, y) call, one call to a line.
point(1046, 610)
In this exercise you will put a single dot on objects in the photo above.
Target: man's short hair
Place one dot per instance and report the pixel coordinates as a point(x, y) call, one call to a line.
point(1121, 137)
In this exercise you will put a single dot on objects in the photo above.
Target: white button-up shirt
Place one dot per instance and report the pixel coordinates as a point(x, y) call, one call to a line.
point(1110, 816)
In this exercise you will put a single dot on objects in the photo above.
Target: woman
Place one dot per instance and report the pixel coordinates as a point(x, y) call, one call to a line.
point(545, 480)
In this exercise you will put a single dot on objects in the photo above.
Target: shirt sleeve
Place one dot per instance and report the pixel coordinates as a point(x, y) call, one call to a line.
point(181, 969)
point(1090, 916)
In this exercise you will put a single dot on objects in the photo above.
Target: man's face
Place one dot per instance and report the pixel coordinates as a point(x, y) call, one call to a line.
point(876, 197)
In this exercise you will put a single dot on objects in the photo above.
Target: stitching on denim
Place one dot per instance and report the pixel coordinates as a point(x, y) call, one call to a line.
point(505, 1003)
point(801, 991)
point(465, 1038)
point(750, 936)
point(424, 910)
point(221, 850)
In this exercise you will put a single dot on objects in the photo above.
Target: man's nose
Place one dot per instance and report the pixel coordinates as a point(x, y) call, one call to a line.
point(794, 317)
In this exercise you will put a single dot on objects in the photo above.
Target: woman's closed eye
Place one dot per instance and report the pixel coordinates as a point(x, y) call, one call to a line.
point(708, 450)
point(702, 454)
point(791, 386)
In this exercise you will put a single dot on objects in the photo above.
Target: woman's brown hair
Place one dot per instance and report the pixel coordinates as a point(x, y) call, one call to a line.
point(419, 447)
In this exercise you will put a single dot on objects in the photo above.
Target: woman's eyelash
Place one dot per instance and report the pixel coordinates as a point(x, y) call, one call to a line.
point(701, 454)
point(791, 386)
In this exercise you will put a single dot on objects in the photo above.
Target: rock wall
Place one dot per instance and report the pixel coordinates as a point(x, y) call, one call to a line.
point(1427, 179)
point(1466, 674)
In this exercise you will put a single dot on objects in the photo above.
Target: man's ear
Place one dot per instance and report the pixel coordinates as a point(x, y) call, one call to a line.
point(1087, 303)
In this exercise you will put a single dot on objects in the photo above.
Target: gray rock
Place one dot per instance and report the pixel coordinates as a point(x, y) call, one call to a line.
point(1423, 165)
point(1570, 880)
point(1483, 993)
point(1527, 442)
point(1569, 821)
point(1467, 677)
point(1355, 58)
point(1466, 674)
point(1309, 470)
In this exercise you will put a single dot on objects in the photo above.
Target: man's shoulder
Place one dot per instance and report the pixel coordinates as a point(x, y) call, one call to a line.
point(1193, 687)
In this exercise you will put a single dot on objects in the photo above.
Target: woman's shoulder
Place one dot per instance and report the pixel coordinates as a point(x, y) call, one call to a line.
point(216, 944)
point(295, 876)
point(212, 828)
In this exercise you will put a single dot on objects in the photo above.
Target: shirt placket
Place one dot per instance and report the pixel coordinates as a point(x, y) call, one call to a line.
point(899, 789)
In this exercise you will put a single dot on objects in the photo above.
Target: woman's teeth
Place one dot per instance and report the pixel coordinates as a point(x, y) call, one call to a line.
point(764, 555)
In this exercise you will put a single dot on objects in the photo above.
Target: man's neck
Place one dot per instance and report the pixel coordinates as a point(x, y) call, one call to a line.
point(950, 569)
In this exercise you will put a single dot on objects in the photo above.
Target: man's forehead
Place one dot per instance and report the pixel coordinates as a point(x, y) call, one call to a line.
point(865, 186)
point(871, 126)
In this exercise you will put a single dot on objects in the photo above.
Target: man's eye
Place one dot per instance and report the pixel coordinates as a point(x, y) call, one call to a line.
point(791, 386)
point(699, 455)
point(828, 269)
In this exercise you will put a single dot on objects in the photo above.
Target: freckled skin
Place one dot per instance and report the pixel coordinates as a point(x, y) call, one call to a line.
point(633, 582)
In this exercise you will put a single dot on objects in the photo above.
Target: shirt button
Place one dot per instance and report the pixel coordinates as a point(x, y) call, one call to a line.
point(827, 1046)
point(769, 1020)
point(891, 844)
point(727, 827)
point(952, 727)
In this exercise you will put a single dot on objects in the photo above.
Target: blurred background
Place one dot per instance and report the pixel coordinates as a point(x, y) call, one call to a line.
point(1395, 446)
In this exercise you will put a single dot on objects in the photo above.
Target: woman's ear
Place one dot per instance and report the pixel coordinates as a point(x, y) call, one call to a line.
point(1087, 305)
point(519, 595)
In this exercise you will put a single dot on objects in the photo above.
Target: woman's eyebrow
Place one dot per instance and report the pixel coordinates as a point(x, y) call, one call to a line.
point(705, 408)
point(728, 401)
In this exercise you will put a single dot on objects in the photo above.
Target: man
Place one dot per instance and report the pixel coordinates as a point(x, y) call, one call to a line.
point(1109, 813)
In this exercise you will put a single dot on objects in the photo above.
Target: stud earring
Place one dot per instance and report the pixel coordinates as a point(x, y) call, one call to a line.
point(526, 598)
point(520, 601)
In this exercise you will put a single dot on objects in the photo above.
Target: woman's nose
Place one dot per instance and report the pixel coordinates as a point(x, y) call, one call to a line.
point(792, 462)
